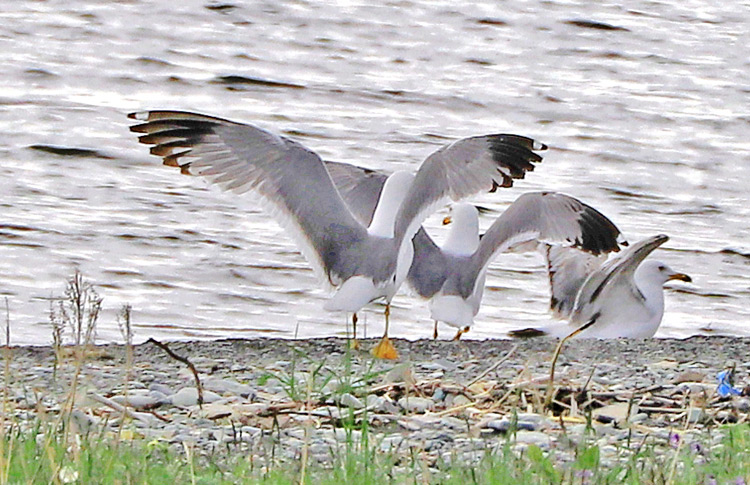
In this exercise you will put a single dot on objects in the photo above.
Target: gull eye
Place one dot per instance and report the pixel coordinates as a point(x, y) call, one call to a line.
point(662, 267)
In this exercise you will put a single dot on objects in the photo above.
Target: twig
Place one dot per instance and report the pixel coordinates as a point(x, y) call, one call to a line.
point(493, 366)
point(185, 361)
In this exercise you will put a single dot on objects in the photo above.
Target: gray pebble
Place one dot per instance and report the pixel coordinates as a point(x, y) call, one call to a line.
point(188, 396)
point(226, 386)
point(350, 401)
point(166, 390)
point(416, 404)
point(542, 440)
point(141, 400)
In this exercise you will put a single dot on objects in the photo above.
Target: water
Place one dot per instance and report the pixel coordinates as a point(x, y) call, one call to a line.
point(645, 109)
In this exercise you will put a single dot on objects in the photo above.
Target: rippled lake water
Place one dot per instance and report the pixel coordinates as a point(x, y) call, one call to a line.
point(645, 109)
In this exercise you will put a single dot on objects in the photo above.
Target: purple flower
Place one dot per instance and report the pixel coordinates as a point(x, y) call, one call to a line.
point(697, 448)
point(739, 481)
point(711, 481)
point(674, 439)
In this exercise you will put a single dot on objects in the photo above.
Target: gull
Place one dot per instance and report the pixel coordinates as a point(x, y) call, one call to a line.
point(361, 263)
point(622, 297)
point(452, 277)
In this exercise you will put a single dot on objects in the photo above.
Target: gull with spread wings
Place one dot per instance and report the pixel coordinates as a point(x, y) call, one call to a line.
point(362, 262)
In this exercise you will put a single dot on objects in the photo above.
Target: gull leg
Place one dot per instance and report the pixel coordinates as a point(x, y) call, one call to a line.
point(354, 343)
point(385, 349)
point(460, 332)
point(551, 383)
point(434, 332)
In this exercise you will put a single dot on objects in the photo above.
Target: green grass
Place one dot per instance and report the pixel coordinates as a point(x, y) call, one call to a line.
point(43, 455)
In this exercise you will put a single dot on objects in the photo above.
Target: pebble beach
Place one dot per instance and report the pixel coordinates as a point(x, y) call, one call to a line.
point(444, 400)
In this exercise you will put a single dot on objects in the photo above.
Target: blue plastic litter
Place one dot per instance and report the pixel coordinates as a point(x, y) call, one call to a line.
point(725, 387)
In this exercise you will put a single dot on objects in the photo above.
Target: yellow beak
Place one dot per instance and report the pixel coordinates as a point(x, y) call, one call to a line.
point(681, 277)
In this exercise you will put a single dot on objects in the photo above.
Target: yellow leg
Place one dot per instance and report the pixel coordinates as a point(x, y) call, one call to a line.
point(551, 384)
point(460, 332)
point(434, 332)
point(385, 349)
point(354, 343)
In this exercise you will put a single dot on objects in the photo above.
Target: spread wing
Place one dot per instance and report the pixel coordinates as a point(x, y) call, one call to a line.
point(464, 168)
point(241, 158)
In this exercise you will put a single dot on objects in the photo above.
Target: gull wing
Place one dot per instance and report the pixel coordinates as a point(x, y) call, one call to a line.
point(547, 217)
point(288, 177)
point(464, 168)
point(614, 275)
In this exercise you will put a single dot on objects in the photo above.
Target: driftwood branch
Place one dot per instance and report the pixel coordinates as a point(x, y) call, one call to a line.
point(185, 361)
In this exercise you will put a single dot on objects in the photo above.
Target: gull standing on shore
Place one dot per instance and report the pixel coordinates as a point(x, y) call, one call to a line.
point(363, 263)
point(622, 297)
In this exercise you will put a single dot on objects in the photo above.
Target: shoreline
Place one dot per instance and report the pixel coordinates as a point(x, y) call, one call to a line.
point(449, 400)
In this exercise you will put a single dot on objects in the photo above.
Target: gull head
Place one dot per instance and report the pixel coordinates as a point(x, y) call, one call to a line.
point(463, 236)
point(661, 273)
point(462, 213)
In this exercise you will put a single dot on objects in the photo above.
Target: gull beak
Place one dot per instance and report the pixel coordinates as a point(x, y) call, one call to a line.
point(447, 220)
point(681, 277)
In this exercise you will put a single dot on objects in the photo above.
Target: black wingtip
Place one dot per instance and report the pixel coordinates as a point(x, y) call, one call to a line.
point(599, 234)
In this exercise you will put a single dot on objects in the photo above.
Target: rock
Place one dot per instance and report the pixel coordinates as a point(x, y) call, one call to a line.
point(689, 376)
point(432, 366)
point(166, 390)
point(217, 411)
point(542, 440)
point(141, 400)
point(227, 386)
point(380, 404)
point(525, 422)
point(351, 401)
point(392, 443)
point(460, 400)
point(617, 412)
point(329, 411)
point(188, 396)
point(400, 373)
point(83, 422)
point(695, 415)
point(416, 404)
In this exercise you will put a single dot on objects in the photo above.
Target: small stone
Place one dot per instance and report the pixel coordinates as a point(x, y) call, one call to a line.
point(689, 376)
point(438, 395)
point(525, 422)
point(695, 415)
point(166, 390)
point(460, 400)
point(400, 373)
point(227, 386)
point(392, 443)
point(328, 412)
point(188, 396)
point(141, 401)
point(351, 401)
point(742, 404)
point(617, 412)
point(217, 411)
point(416, 404)
point(542, 440)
